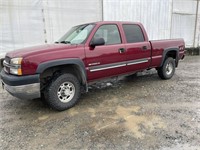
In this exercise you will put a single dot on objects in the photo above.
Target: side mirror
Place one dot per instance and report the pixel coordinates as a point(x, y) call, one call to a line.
point(97, 42)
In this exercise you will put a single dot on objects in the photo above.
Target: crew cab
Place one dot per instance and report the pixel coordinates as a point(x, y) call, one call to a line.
point(85, 54)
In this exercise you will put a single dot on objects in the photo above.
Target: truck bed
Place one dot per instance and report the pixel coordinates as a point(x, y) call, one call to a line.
point(159, 46)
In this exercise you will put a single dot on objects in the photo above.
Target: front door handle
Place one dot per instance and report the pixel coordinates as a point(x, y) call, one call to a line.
point(121, 50)
point(144, 47)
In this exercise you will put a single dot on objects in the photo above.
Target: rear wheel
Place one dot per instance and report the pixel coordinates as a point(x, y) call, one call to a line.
point(166, 71)
point(63, 92)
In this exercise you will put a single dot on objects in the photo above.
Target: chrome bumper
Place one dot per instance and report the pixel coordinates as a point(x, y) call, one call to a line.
point(22, 87)
point(28, 91)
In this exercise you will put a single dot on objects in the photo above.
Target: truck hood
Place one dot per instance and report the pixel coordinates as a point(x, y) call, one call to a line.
point(24, 52)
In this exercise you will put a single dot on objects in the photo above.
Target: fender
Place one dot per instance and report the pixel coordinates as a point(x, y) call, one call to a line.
point(168, 50)
point(71, 61)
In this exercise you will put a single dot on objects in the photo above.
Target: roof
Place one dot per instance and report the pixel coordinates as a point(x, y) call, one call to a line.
point(116, 22)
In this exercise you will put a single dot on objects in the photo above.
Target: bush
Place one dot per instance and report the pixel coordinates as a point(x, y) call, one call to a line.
point(193, 51)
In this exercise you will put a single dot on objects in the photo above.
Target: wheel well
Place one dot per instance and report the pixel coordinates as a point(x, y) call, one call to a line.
point(47, 75)
point(172, 54)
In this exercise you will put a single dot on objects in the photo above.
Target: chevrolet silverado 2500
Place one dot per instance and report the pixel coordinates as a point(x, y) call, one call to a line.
point(85, 54)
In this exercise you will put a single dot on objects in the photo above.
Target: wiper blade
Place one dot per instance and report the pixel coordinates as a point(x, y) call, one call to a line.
point(65, 42)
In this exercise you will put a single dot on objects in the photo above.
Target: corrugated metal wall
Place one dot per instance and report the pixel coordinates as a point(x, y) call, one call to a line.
point(20, 24)
point(61, 15)
point(163, 19)
point(30, 22)
point(154, 14)
point(184, 20)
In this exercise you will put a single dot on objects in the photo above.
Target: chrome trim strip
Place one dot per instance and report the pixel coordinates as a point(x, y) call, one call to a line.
point(158, 56)
point(117, 65)
point(6, 64)
point(105, 68)
point(95, 63)
point(139, 61)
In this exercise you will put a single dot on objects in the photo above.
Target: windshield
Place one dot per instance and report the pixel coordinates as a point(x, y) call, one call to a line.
point(77, 34)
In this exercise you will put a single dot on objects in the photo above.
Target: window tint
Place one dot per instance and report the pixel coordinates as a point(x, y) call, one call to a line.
point(133, 33)
point(109, 33)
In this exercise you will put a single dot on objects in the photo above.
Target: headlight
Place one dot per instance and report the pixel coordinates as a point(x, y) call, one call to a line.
point(15, 66)
point(16, 61)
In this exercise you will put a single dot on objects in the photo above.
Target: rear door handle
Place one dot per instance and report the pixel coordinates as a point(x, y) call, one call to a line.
point(144, 47)
point(121, 50)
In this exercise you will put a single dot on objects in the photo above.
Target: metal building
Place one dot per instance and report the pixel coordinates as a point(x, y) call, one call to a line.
point(30, 22)
point(163, 19)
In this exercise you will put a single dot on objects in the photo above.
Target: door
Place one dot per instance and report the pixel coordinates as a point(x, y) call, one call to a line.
point(138, 50)
point(109, 59)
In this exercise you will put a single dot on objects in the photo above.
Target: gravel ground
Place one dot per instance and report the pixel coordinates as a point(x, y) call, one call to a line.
point(142, 112)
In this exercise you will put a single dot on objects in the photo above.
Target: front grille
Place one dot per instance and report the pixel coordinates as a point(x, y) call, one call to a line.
point(6, 68)
point(7, 59)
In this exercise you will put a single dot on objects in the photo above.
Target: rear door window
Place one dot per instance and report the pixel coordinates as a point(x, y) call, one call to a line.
point(133, 33)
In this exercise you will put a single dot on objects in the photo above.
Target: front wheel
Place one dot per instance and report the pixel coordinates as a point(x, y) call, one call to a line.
point(167, 70)
point(63, 92)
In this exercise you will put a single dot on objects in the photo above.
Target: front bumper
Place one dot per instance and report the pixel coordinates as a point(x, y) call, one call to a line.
point(22, 87)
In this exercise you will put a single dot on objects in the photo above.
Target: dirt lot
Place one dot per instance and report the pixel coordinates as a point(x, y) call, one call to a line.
point(141, 112)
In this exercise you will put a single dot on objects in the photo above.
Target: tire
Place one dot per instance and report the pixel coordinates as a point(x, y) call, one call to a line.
point(168, 69)
point(63, 92)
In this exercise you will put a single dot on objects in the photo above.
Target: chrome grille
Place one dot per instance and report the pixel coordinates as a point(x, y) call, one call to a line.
point(7, 62)
point(7, 59)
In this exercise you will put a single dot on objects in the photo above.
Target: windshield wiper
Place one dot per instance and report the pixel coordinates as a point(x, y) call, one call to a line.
point(65, 42)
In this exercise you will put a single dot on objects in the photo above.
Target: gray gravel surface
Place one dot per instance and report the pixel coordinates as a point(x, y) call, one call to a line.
point(135, 112)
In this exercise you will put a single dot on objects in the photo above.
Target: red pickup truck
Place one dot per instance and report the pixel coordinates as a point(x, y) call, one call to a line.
point(85, 54)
